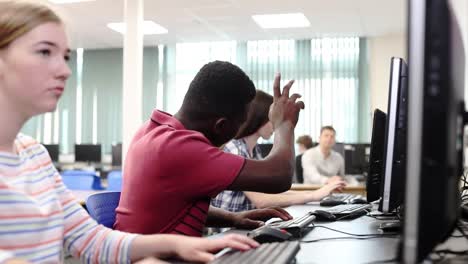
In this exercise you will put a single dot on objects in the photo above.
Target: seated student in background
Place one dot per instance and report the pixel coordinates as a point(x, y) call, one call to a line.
point(245, 144)
point(174, 165)
point(40, 220)
point(321, 164)
point(304, 143)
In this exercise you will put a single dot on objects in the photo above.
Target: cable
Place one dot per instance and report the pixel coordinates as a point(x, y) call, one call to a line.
point(356, 235)
point(345, 238)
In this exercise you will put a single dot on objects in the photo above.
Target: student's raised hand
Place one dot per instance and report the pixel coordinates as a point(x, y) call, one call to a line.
point(256, 218)
point(284, 107)
point(328, 188)
point(201, 249)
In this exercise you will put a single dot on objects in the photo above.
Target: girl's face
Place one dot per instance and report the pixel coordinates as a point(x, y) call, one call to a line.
point(33, 69)
point(266, 130)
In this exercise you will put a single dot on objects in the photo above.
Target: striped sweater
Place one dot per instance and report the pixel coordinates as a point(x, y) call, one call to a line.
point(41, 221)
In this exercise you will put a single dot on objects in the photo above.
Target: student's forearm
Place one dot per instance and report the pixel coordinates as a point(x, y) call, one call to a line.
point(283, 150)
point(219, 218)
point(160, 246)
point(263, 200)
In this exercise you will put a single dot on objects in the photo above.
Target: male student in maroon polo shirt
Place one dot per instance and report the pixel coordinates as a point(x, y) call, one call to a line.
point(174, 165)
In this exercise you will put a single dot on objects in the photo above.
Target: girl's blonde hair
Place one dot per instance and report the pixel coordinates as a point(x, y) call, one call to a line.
point(19, 17)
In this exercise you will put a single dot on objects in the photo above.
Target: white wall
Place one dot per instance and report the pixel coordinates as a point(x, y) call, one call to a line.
point(381, 49)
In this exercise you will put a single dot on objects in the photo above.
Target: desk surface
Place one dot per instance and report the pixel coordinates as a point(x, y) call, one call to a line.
point(344, 250)
point(351, 250)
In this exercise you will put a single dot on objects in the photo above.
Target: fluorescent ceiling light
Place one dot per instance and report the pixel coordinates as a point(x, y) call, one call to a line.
point(292, 20)
point(68, 1)
point(149, 28)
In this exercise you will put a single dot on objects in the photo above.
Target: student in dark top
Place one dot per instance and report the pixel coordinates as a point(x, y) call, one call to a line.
point(174, 165)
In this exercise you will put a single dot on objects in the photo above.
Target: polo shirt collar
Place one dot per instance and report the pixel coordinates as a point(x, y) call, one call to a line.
point(164, 118)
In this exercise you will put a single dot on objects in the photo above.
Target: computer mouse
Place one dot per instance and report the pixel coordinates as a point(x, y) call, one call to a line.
point(323, 215)
point(331, 202)
point(358, 201)
point(266, 234)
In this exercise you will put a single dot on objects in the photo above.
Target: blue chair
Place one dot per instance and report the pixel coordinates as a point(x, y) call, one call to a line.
point(114, 180)
point(74, 183)
point(78, 181)
point(101, 207)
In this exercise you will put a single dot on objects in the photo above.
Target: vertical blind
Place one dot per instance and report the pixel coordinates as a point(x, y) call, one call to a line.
point(327, 73)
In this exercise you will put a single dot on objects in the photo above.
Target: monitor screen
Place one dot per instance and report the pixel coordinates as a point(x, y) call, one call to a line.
point(435, 127)
point(265, 149)
point(355, 159)
point(117, 154)
point(394, 156)
point(374, 177)
point(88, 152)
point(53, 150)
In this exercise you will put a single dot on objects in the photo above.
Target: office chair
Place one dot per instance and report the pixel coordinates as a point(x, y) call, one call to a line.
point(80, 180)
point(114, 180)
point(101, 207)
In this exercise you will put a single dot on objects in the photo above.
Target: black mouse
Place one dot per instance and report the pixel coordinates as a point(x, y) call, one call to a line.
point(331, 202)
point(323, 215)
point(266, 234)
point(358, 201)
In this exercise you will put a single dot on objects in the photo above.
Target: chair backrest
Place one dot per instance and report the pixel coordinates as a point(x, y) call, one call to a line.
point(77, 172)
point(114, 180)
point(79, 181)
point(101, 207)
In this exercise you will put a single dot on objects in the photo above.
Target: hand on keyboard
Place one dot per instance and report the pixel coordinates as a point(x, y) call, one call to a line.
point(254, 218)
point(196, 249)
point(329, 188)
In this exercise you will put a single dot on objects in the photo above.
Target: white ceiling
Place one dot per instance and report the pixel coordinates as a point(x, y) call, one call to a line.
point(210, 20)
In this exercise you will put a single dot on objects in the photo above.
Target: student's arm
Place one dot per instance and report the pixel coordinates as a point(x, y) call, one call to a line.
point(274, 173)
point(7, 257)
point(218, 217)
point(310, 172)
point(191, 249)
point(263, 200)
point(14, 261)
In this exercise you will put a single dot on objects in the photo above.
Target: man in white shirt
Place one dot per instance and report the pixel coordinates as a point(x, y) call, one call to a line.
point(321, 164)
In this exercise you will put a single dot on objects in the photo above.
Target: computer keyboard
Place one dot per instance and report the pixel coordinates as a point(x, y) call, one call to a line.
point(295, 226)
point(348, 209)
point(275, 253)
point(344, 197)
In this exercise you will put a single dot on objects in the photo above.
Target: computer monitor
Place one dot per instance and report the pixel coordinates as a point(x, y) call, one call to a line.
point(53, 150)
point(265, 149)
point(435, 127)
point(117, 154)
point(355, 158)
point(375, 174)
point(394, 158)
point(88, 152)
point(340, 148)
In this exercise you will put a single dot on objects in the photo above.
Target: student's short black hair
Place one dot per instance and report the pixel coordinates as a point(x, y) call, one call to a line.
point(220, 89)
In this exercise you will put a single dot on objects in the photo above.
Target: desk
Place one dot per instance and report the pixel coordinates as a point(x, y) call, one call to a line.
point(346, 250)
point(359, 189)
point(352, 251)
